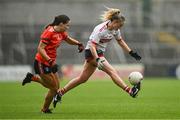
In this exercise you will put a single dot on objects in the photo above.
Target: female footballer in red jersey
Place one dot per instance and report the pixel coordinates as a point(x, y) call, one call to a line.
point(45, 60)
point(94, 54)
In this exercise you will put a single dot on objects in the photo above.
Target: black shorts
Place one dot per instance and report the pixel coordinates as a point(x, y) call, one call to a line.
point(40, 68)
point(89, 56)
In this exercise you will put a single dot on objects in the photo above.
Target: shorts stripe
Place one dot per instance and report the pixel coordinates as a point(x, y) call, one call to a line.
point(40, 68)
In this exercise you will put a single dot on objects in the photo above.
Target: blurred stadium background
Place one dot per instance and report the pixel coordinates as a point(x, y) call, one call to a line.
point(152, 28)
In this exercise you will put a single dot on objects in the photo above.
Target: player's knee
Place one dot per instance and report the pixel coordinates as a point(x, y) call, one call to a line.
point(56, 87)
point(53, 89)
point(53, 86)
point(53, 92)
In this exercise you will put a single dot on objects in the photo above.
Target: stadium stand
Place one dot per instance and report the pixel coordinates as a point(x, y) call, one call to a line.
point(20, 31)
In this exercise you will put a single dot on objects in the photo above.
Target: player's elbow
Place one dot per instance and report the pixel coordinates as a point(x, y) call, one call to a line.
point(39, 49)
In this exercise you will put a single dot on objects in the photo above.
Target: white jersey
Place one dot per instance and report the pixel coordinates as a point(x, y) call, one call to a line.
point(101, 36)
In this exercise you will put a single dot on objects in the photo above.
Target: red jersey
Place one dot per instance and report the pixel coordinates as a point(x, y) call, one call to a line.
point(52, 39)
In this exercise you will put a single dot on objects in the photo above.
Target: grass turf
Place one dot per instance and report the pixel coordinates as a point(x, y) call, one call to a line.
point(158, 99)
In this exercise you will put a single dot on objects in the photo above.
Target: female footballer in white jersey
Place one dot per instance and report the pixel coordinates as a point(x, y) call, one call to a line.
point(102, 34)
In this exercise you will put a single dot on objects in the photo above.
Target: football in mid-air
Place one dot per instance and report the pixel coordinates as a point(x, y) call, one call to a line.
point(135, 77)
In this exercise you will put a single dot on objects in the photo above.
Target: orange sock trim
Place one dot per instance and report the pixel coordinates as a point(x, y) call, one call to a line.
point(34, 78)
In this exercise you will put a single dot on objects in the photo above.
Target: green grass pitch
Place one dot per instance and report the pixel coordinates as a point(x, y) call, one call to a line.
point(101, 99)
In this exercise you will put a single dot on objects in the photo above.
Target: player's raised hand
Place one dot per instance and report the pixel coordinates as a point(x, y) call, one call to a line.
point(80, 47)
point(135, 55)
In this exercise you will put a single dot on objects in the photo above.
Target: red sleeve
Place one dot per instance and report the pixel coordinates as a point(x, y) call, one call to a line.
point(46, 37)
point(65, 35)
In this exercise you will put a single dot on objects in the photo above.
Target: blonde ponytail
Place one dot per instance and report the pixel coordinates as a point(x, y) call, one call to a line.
point(107, 15)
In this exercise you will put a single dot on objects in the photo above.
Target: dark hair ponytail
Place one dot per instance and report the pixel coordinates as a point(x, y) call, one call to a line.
point(59, 19)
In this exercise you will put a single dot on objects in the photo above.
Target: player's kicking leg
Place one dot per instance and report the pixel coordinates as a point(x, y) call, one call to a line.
point(118, 81)
point(88, 70)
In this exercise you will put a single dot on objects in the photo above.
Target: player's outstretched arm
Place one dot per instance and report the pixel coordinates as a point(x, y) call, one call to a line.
point(123, 44)
point(72, 41)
